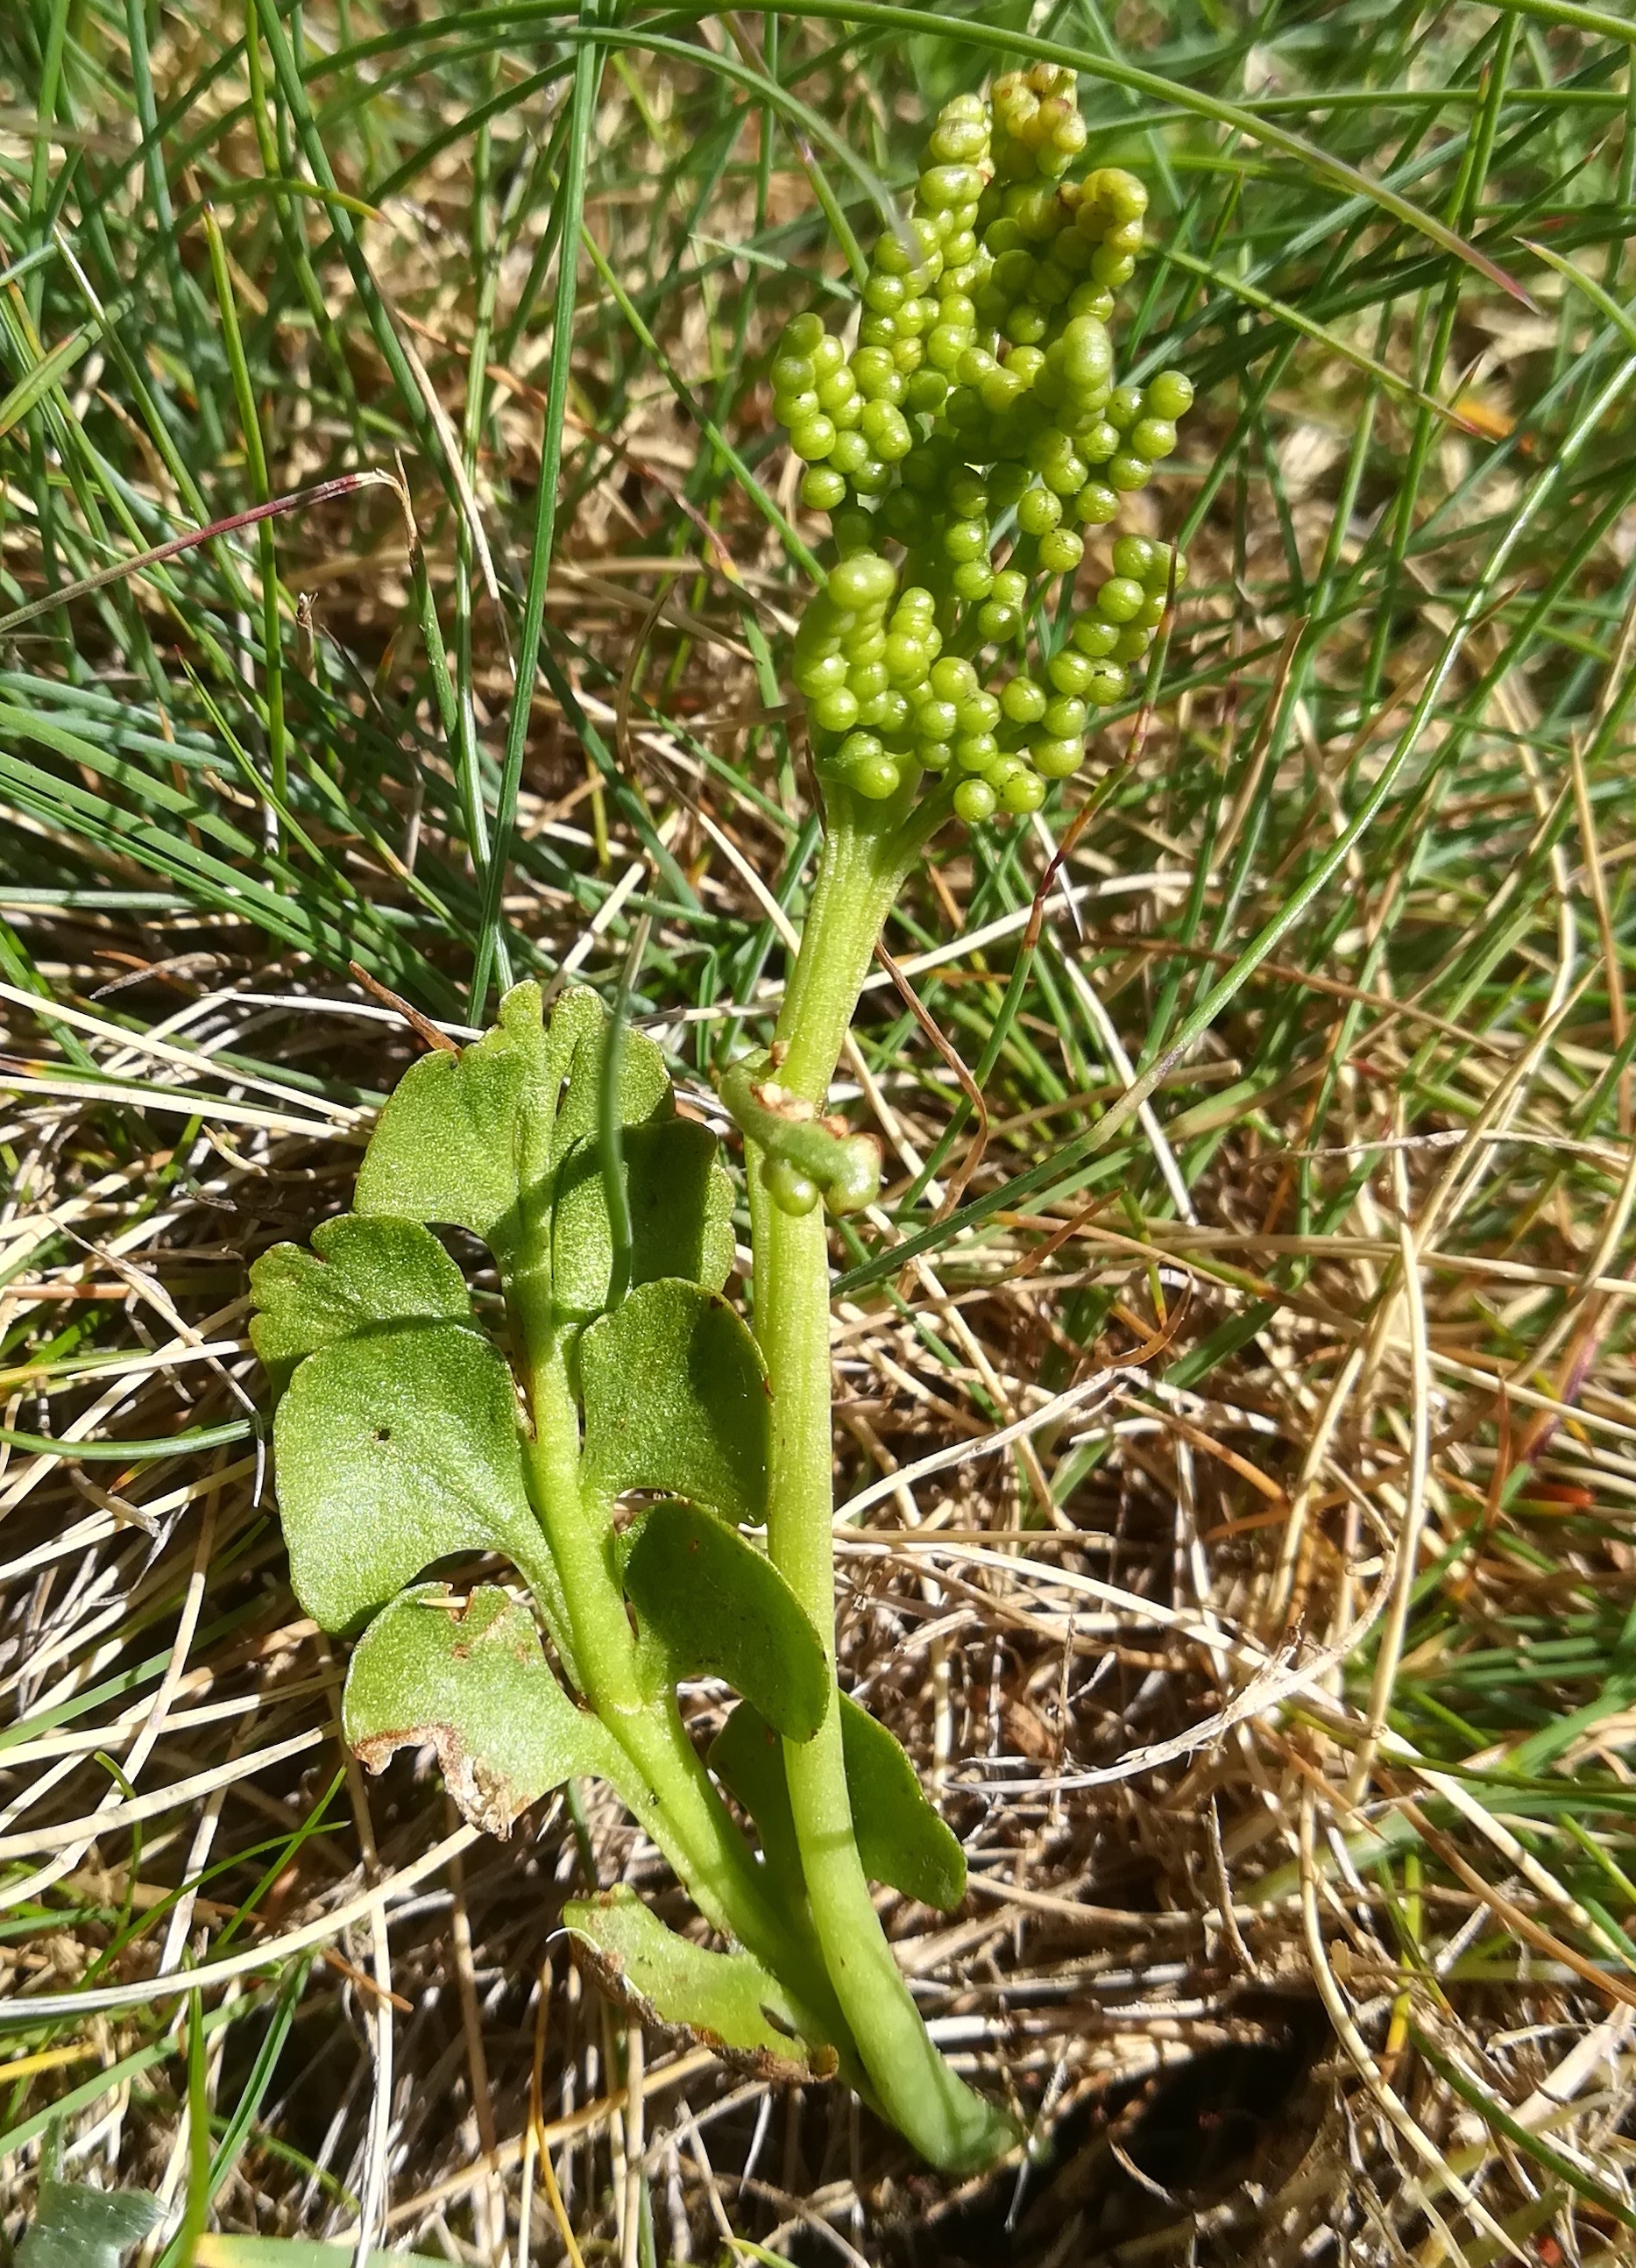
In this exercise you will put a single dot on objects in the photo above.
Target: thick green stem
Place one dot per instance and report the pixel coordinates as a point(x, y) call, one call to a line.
point(858, 878)
point(859, 874)
point(667, 1788)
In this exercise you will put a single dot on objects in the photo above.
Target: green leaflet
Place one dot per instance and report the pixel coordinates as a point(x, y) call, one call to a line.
point(504, 1139)
point(392, 1459)
point(644, 1090)
point(467, 1138)
point(727, 2000)
point(446, 1148)
point(720, 1608)
point(359, 1273)
point(393, 1451)
point(681, 1203)
point(902, 1839)
point(79, 2227)
point(675, 1401)
point(474, 1683)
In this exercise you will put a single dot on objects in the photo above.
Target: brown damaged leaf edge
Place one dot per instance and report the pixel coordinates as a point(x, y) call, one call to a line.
point(482, 1797)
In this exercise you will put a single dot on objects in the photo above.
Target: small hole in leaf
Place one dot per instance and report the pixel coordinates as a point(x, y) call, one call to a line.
point(383, 1433)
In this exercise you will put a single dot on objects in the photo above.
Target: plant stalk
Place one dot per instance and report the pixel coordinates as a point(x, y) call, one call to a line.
point(860, 871)
point(668, 1789)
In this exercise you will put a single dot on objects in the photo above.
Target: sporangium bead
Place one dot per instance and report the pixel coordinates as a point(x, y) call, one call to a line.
point(875, 778)
point(952, 679)
point(1169, 395)
point(1121, 599)
point(813, 437)
point(820, 674)
point(792, 373)
point(1022, 701)
point(823, 488)
point(1061, 550)
point(1023, 792)
point(905, 658)
point(1095, 505)
point(887, 714)
point(1090, 299)
point(1152, 438)
point(835, 389)
point(1039, 511)
point(834, 712)
point(1092, 637)
point(866, 584)
point(1071, 672)
point(946, 346)
point(975, 801)
point(1136, 556)
point(875, 374)
point(925, 392)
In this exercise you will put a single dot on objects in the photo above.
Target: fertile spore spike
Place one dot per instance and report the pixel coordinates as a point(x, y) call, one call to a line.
point(978, 426)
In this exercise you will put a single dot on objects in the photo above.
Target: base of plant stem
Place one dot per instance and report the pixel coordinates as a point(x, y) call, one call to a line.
point(672, 1799)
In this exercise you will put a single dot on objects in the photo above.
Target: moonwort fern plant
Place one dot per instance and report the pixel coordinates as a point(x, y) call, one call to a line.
point(624, 1440)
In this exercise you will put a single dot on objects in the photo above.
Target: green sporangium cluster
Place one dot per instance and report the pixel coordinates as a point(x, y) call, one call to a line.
point(977, 424)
